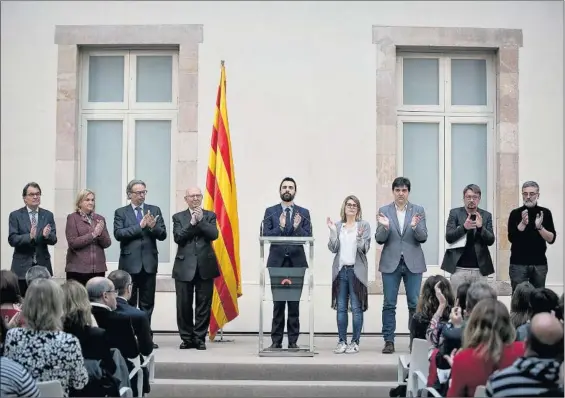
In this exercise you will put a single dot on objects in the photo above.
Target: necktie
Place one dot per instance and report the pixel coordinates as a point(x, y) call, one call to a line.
point(33, 224)
point(138, 214)
point(288, 227)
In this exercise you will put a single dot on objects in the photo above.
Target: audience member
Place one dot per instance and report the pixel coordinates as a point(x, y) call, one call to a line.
point(42, 348)
point(542, 300)
point(537, 373)
point(488, 345)
point(15, 381)
point(439, 323)
point(10, 299)
point(37, 272)
point(520, 307)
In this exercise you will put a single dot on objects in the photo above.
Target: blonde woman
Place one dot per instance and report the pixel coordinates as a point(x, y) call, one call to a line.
point(42, 348)
point(350, 240)
point(87, 236)
point(488, 345)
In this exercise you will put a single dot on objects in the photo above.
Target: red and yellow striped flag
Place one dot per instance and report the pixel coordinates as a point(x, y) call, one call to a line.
point(221, 198)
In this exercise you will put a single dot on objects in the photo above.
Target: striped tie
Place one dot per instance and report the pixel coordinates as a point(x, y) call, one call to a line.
point(34, 224)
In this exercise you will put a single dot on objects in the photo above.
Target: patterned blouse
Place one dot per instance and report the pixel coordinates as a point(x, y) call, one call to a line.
point(48, 356)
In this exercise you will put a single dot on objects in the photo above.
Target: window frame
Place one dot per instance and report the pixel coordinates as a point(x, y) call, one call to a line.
point(128, 115)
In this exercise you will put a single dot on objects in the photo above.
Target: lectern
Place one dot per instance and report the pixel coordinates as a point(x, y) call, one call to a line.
point(287, 284)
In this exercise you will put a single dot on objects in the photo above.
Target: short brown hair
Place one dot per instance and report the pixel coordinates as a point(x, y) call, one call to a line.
point(9, 288)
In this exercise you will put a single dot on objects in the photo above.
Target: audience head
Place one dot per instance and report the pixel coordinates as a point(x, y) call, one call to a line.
point(545, 337)
point(3, 332)
point(478, 291)
point(462, 295)
point(43, 305)
point(559, 312)
point(489, 328)
point(543, 300)
point(101, 290)
point(122, 283)
point(37, 272)
point(9, 288)
point(76, 305)
point(520, 308)
point(428, 302)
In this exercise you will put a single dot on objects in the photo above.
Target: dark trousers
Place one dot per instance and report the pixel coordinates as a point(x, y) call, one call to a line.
point(23, 287)
point(143, 292)
point(535, 274)
point(293, 318)
point(193, 324)
point(83, 278)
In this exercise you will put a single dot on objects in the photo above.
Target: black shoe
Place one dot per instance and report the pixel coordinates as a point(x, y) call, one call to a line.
point(186, 344)
point(292, 346)
point(275, 346)
point(155, 346)
point(200, 345)
point(388, 348)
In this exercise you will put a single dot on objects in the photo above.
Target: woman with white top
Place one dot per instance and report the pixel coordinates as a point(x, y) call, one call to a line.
point(350, 239)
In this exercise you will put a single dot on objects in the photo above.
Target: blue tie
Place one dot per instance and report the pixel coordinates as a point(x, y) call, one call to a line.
point(138, 215)
point(288, 227)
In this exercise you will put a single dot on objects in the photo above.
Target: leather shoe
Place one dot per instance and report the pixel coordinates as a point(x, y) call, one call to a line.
point(388, 348)
point(155, 346)
point(185, 345)
point(275, 346)
point(292, 346)
point(200, 345)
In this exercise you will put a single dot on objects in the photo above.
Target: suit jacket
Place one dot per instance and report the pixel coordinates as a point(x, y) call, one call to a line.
point(138, 247)
point(272, 227)
point(195, 249)
point(24, 247)
point(119, 330)
point(409, 243)
point(85, 253)
point(483, 239)
point(140, 323)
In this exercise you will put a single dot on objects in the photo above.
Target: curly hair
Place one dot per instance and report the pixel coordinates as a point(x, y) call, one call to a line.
point(428, 302)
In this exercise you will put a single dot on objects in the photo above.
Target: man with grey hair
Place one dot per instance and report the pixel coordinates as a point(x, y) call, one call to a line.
point(530, 229)
point(469, 233)
point(138, 226)
point(37, 272)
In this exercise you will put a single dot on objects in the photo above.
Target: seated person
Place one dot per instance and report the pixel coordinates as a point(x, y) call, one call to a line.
point(10, 299)
point(37, 272)
point(42, 348)
point(541, 300)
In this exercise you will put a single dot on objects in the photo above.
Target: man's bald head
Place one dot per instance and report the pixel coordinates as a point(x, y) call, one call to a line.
point(545, 338)
point(193, 197)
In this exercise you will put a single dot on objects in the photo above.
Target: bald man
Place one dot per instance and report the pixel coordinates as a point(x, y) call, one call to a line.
point(195, 269)
point(537, 373)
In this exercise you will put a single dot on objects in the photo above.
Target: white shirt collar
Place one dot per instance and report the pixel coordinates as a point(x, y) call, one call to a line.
point(100, 305)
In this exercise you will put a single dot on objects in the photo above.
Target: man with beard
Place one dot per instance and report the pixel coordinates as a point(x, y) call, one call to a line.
point(469, 231)
point(286, 219)
point(530, 229)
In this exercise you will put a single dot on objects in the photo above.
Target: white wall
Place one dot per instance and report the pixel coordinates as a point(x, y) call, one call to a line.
point(298, 72)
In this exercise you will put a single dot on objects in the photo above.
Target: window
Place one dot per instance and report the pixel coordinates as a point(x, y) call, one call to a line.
point(129, 108)
point(445, 123)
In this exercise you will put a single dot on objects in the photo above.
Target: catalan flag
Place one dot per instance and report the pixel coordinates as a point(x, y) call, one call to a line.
point(221, 198)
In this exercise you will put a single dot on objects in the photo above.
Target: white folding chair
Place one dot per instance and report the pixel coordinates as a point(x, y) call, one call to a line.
point(402, 369)
point(139, 372)
point(126, 392)
point(480, 391)
point(418, 368)
point(149, 363)
point(52, 388)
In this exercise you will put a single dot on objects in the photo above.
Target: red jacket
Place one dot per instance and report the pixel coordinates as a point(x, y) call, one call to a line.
point(85, 254)
point(470, 371)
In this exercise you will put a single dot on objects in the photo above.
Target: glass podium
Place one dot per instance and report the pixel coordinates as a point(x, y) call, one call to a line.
point(286, 284)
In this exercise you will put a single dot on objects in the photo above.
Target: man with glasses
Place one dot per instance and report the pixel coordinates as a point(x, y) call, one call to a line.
point(30, 231)
point(469, 233)
point(138, 226)
point(530, 229)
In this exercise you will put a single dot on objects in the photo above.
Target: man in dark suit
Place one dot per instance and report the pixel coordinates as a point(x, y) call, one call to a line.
point(469, 232)
point(30, 231)
point(195, 268)
point(137, 227)
point(286, 219)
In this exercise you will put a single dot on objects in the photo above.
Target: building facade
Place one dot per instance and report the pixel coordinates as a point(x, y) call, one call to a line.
point(342, 97)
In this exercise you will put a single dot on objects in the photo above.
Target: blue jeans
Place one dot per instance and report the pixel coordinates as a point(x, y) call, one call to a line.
point(391, 283)
point(346, 294)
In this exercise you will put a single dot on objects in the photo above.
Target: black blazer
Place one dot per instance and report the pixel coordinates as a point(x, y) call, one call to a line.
point(483, 239)
point(94, 344)
point(138, 247)
point(195, 246)
point(271, 227)
point(24, 248)
point(140, 323)
point(119, 330)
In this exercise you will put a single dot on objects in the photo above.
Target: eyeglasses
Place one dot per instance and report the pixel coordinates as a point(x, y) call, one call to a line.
point(140, 192)
point(34, 195)
point(529, 194)
point(199, 196)
point(111, 291)
point(351, 205)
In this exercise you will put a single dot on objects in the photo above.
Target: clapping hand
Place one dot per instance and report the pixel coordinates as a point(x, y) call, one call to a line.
point(297, 220)
point(46, 231)
point(98, 228)
point(382, 219)
point(282, 220)
point(360, 232)
point(330, 223)
point(415, 220)
point(470, 224)
point(439, 295)
point(539, 220)
point(33, 232)
point(456, 317)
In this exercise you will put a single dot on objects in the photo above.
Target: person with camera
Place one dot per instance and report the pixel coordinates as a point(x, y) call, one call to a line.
point(468, 233)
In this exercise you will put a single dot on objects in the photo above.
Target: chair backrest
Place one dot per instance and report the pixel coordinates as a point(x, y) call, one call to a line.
point(480, 391)
point(418, 363)
point(52, 388)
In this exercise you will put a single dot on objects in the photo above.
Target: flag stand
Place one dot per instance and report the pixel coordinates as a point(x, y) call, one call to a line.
point(222, 340)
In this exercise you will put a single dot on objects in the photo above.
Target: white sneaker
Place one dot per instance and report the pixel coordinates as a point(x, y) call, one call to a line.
point(341, 348)
point(353, 348)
